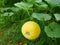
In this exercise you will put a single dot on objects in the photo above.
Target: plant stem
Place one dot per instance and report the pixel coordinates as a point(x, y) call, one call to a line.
point(29, 14)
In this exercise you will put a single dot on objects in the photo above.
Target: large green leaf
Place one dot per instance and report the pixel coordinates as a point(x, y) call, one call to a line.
point(53, 2)
point(57, 16)
point(23, 5)
point(41, 16)
point(53, 30)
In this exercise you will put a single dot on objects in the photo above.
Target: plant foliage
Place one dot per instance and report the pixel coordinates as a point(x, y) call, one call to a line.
point(14, 13)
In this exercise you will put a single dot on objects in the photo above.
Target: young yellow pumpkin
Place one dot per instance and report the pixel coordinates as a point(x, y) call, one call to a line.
point(31, 30)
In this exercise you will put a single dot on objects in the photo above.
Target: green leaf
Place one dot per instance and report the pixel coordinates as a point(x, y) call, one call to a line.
point(53, 2)
point(15, 9)
point(23, 5)
point(34, 1)
point(53, 30)
point(38, 1)
point(57, 16)
point(43, 6)
point(41, 16)
point(8, 14)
